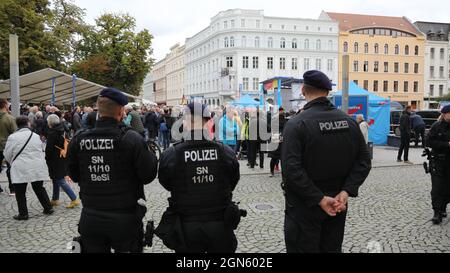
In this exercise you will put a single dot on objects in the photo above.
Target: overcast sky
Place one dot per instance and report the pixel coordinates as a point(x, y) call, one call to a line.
point(172, 21)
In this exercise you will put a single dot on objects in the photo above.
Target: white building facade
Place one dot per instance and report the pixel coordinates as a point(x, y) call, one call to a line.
point(241, 48)
point(175, 75)
point(148, 88)
point(437, 61)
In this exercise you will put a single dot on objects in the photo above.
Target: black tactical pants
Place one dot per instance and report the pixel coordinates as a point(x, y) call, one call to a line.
point(311, 230)
point(440, 189)
point(404, 147)
point(209, 237)
point(420, 134)
point(102, 231)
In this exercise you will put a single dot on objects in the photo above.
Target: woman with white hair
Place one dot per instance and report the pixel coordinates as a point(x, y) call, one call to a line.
point(363, 126)
point(56, 161)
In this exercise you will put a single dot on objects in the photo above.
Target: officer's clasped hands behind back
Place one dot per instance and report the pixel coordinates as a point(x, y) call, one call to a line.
point(112, 164)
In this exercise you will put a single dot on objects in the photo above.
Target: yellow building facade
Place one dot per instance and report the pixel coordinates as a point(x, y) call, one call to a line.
point(387, 56)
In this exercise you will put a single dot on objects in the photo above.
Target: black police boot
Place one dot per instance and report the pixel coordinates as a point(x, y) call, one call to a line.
point(437, 218)
point(21, 217)
point(49, 211)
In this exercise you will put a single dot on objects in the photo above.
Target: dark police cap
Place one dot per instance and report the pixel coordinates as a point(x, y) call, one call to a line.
point(318, 80)
point(446, 109)
point(198, 109)
point(115, 95)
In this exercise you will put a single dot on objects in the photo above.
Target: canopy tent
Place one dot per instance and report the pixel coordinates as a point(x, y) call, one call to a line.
point(379, 113)
point(52, 86)
point(245, 101)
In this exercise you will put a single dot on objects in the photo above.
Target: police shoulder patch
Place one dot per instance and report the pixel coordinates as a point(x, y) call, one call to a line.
point(333, 126)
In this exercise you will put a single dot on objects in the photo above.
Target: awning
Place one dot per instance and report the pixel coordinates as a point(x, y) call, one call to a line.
point(36, 87)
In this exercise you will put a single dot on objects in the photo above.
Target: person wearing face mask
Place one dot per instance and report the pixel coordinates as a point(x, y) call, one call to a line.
point(439, 140)
point(325, 160)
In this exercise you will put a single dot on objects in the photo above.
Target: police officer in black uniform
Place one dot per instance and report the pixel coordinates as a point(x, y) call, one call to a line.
point(439, 141)
point(201, 175)
point(111, 164)
point(325, 160)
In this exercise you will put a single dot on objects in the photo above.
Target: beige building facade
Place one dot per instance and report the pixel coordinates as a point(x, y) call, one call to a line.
point(160, 82)
point(387, 56)
point(175, 75)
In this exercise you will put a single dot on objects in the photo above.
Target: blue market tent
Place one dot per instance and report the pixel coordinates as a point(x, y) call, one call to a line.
point(245, 101)
point(379, 114)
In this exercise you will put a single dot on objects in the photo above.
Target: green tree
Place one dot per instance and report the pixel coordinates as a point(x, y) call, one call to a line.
point(111, 53)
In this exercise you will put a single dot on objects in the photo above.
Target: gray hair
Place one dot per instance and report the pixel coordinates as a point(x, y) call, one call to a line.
point(39, 115)
point(53, 120)
point(361, 117)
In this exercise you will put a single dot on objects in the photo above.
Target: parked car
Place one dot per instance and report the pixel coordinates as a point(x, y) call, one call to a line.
point(429, 116)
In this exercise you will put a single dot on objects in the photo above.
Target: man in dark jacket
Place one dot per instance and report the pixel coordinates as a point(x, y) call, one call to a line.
point(405, 138)
point(325, 161)
point(151, 124)
point(419, 126)
point(76, 120)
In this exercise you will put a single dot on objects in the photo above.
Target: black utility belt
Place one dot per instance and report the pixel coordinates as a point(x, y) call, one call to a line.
point(110, 211)
point(210, 217)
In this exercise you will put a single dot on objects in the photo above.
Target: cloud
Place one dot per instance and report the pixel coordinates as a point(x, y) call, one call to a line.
point(172, 21)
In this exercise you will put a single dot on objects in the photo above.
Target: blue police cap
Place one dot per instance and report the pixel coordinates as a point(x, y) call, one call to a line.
point(446, 109)
point(318, 80)
point(115, 95)
point(198, 109)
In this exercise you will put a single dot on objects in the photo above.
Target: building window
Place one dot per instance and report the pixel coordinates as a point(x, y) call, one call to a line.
point(282, 63)
point(283, 43)
point(270, 26)
point(232, 42)
point(232, 23)
point(330, 66)
point(319, 64)
point(375, 86)
point(366, 48)
point(255, 62)
point(406, 86)
point(432, 72)
point(225, 24)
point(255, 84)
point(416, 68)
point(396, 67)
point(356, 48)
point(441, 90)
point(318, 45)
point(270, 42)
point(245, 84)
point(229, 62)
point(416, 51)
point(282, 27)
point(432, 90)
point(432, 53)
point(416, 87)
point(376, 48)
point(386, 49)
point(406, 50)
point(442, 53)
point(386, 67)
point(270, 63)
point(385, 86)
point(294, 63)
point(395, 86)
point(257, 42)
point(244, 41)
point(366, 84)
point(356, 82)
point(406, 68)
point(226, 42)
point(245, 62)
point(355, 66)
point(376, 67)
point(306, 64)
point(294, 43)
point(242, 22)
point(306, 44)
point(258, 23)
point(366, 66)
point(345, 47)
point(441, 72)
point(397, 50)
point(330, 45)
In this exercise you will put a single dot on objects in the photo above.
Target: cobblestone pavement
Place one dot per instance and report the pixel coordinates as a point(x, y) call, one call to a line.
point(391, 215)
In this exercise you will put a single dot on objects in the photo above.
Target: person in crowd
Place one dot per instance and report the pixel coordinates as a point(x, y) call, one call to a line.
point(238, 120)
point(7, 127)
point(257, 121)
point(151, 124)
point(55, 156)
point(134, 120)
point(405, 130)
point(165, 125)
point(39, 124)
point(32, 115)
point(76, 120)
point(84, 117)
point(418, 126)
point(23, 151)
point(363, 126)
point(228, 129)
point(275, 156)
